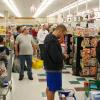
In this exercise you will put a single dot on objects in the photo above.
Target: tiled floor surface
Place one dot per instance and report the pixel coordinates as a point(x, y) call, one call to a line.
point(35, 90)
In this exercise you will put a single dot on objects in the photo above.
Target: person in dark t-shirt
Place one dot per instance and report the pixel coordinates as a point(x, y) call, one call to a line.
point(53, 61)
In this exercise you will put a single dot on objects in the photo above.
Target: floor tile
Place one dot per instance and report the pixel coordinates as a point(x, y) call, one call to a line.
point(74, 82)
point(43, 94)
point(41, 74)
point(79, 88)
point(81, 79)
point(35, 90)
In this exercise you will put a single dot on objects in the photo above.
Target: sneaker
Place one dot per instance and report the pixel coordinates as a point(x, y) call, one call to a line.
point(21, 77)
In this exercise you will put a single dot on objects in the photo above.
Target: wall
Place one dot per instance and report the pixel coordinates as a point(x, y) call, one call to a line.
point(52, 20)
point(24, 21)
point(31, 21)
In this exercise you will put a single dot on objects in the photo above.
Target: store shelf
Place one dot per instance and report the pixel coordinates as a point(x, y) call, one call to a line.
point(88, 76)
point(3, 34)
point(90, 37)
point(89, 66)
point(89, 47)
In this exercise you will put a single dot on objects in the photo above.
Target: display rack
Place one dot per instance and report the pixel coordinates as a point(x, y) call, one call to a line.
point(4, 90)
point(69, 47)
point(76, 67)
point(84, 62)
point(88, 54)
point(5, 76)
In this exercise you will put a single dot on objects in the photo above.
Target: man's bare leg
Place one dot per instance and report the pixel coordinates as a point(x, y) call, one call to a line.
point(50, 94)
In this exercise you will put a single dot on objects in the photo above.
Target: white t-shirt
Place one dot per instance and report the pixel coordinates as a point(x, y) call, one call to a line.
point(25, 44)
point(41, 36)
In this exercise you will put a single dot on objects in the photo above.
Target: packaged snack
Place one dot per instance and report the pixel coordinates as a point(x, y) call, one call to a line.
point(85, 71)
point(93, 42)
point(93, 70)
point(93, 52)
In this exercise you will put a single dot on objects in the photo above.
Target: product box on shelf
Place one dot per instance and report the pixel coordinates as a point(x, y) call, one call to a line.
point(93, 70)
point(2, 30)
point(85, 71)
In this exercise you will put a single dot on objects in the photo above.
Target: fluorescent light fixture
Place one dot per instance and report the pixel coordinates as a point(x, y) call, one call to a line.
point(43, 7)
point(1, 15)
point(79, 2)
point(13, 7)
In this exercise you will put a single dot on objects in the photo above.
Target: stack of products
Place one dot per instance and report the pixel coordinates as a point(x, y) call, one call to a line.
point(85, 42)
point(2, 30)
point(88, 54)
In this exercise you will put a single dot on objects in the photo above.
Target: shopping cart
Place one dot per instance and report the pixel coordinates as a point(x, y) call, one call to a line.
point(4, 90)
point(66, 94)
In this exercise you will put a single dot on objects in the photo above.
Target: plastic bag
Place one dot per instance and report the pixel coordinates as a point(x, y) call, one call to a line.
point(16, 65)
point(37, 63)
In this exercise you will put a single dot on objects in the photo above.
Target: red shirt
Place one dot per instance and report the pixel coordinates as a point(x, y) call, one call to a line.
point(34, 33)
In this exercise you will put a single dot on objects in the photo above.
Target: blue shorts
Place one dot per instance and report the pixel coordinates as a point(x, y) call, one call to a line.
point(54, 81)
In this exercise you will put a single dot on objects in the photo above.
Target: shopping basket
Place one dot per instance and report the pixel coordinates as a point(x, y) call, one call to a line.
point(37, 63)
point(66, 94)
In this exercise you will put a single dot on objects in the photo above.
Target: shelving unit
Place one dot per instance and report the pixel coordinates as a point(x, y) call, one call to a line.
point(69, 46)
point(76, 67)
point(84, 63)
point(88, 54)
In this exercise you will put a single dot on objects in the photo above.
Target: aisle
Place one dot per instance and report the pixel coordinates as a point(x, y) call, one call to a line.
point(35, 90)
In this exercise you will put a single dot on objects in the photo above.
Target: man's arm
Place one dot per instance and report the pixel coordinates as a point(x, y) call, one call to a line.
point(33, 44)
point(16, 49)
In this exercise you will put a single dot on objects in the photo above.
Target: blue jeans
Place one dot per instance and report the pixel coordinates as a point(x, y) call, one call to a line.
point(28, 59)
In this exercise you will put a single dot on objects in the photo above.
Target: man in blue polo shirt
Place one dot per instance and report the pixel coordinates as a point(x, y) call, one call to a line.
point(53, 61)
